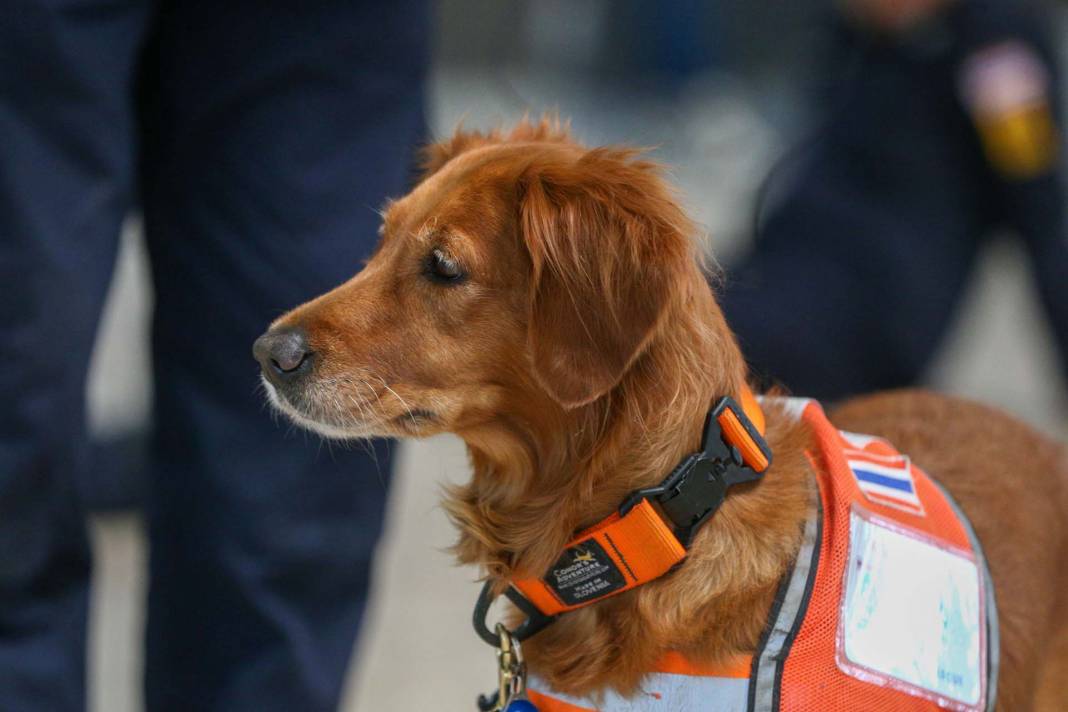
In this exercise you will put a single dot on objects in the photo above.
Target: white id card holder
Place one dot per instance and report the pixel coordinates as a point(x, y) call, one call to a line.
point(912, 614)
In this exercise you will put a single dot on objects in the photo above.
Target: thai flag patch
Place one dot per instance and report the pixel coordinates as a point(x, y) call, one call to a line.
point(884, 477)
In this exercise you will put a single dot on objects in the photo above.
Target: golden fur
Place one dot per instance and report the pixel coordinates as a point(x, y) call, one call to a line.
point(577, 359)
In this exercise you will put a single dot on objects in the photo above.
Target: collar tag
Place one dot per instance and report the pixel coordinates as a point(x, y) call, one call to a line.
point(584, 572)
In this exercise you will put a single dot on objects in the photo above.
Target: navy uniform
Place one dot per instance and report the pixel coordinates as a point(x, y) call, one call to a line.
point(257, 138)
point(933, 139)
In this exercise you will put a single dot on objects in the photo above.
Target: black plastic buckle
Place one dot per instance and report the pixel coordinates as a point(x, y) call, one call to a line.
point(534, 622)
point(697, 486)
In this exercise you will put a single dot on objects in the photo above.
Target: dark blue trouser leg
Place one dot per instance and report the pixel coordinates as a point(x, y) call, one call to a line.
point(275, 129)
point(65, 182)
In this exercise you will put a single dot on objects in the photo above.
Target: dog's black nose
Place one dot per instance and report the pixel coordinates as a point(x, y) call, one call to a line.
point(283, 354)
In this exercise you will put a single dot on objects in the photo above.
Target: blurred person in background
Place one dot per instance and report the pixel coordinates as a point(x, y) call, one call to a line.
point(257, 138)
point(941, 124)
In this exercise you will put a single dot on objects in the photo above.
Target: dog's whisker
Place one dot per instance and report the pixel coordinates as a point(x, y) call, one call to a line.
point(396, 395)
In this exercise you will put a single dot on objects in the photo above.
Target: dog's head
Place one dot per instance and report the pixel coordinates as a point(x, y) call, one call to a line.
point(524, 273)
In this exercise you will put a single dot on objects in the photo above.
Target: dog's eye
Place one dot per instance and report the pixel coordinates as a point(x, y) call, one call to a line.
point(442, 268)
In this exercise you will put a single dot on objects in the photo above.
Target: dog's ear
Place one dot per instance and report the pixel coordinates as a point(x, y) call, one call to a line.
point(606, 242)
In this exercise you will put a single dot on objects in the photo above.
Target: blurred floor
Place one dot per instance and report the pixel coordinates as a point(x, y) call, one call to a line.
point(417, 649)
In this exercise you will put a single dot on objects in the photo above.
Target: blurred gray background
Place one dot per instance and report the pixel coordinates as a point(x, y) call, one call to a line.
point(718, 103)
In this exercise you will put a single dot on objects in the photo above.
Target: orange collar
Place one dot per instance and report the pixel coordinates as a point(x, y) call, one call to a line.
point(649, 534)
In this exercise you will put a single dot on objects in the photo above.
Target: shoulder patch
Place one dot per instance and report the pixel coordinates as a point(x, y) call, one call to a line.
point(1005, 87)
point(883, 474)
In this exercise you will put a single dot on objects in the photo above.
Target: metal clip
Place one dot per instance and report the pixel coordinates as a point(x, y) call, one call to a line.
point(511, 674)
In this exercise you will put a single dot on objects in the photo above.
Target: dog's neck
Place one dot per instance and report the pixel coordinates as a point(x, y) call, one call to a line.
point(541, 477)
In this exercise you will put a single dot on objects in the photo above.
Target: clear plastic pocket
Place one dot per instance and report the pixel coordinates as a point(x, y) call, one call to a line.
point(912, 614)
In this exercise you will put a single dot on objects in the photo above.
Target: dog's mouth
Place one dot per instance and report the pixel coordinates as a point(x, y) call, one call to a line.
point(314, 417)
point(331, 412)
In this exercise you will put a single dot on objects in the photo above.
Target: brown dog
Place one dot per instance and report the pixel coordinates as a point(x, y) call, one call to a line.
point(545, 302)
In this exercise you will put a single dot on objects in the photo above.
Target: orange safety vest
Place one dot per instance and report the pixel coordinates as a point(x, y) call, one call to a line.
point(888, 607)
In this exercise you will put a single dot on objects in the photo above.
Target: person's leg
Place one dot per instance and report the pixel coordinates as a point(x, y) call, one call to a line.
point(65, 185)
point(276, 130)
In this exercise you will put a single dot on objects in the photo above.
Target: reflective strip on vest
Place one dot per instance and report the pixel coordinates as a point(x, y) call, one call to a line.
point(661, 692)
point(786, 615)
